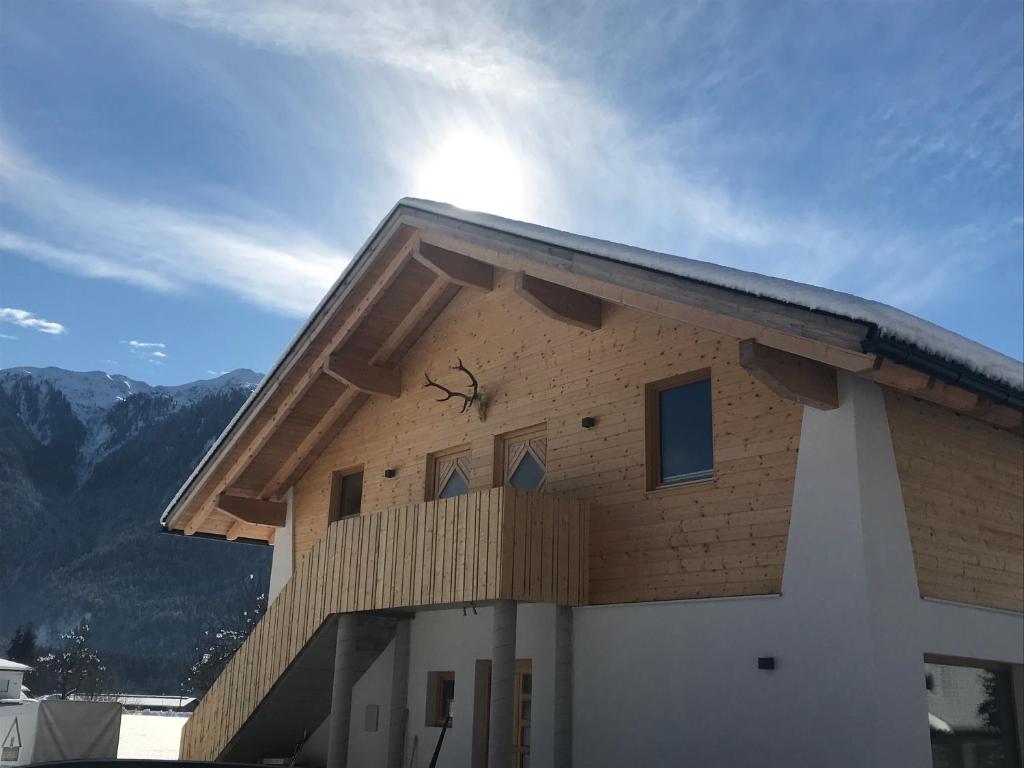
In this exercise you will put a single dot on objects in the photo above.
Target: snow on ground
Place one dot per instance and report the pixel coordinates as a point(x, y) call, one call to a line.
point(154, 736)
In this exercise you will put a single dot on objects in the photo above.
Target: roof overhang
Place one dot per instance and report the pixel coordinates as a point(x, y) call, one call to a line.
point(422, 254)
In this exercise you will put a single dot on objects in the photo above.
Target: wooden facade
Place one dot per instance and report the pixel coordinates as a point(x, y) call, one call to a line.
point(567, 349)
point(495, 544)
point(726, 536)
point(963, 489)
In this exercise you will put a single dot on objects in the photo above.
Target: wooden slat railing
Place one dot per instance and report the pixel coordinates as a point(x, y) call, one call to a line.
point(494, 544)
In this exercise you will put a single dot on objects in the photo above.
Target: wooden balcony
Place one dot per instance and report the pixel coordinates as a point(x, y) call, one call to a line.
point(496, 544)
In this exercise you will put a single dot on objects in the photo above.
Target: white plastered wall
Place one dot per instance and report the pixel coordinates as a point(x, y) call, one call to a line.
point(281, 562)
point(446, 640)
point(670, 683)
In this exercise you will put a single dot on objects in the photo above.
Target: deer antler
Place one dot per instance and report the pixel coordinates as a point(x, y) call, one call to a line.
point(467, 400)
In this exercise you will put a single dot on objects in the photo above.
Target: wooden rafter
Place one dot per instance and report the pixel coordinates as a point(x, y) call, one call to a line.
point(361, 375)
point(455, 267)
point(641, 290)
point(307, 379)
point(253, 511)
point(790, 376)
point(347, 404)
point(559, 302)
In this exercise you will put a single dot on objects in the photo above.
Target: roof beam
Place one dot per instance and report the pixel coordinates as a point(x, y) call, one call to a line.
point(299, 389)
point(455, 267)
point(436, 295)
point(718, 310)
point(791, 376)
point(559, 302)
point(358, 374)
point(253, 511)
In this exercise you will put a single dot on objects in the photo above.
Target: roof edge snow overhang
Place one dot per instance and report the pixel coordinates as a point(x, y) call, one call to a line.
point(424, 214)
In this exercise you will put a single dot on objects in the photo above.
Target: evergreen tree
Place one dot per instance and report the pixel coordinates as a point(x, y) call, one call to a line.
point(23, 650)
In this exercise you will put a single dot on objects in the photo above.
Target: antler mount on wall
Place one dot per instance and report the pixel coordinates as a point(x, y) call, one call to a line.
point(472, 399)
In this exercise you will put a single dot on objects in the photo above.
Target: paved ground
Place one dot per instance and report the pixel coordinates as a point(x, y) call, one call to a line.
point(150, 736)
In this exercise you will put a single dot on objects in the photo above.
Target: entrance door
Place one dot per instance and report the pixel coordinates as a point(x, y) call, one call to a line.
point(522, 710)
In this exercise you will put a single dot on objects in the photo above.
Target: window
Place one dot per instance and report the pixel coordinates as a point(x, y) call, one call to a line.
point(523, 456)
point(971, 715)
point(523, 712)
point(346, 494)
point(448, 473)
point(441, 707)
point(679, 431)
point(5, 685)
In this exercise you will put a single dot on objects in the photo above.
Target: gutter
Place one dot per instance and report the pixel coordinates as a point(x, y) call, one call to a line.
point(942, 370)
point(215, 537)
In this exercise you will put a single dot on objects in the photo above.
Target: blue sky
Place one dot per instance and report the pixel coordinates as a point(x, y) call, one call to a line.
point(191, 177)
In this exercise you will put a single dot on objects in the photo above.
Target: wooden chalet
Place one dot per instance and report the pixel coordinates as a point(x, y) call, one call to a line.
point(577, 504)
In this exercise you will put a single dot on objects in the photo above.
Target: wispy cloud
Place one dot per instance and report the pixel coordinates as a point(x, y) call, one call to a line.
point(589, 161)
point(145, 344)
point(26, 319)
point(150, 351)
point(157, 247)
point(8, 336)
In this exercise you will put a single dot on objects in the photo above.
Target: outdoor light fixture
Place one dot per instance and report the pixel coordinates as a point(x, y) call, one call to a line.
point(766, 662)
point(389, 473)
point(588, 422)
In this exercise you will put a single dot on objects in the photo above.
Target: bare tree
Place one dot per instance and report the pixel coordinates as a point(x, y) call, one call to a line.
point(215, 647)
point(73, 666)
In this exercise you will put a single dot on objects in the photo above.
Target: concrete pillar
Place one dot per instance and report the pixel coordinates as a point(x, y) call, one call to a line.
point(503, 676)
point(281, 563)
point(850, 572)
point(399, 696)
point(341, 692)
point(1017, 682)
point(563, 685)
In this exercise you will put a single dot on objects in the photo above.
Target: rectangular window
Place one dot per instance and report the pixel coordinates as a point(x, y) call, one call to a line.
point(680, 446)
point(5, 686)
point(971, 715)
point(448, 473)
point(441, 690)
point(346, 494)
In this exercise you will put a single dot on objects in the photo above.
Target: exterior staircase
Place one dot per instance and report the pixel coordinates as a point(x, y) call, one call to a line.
point(494, 544)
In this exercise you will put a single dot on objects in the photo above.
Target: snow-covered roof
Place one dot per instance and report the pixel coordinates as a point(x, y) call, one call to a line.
point(13, 666)
point(892, 323)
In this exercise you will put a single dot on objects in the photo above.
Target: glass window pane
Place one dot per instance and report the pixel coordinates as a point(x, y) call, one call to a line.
point(525, 710)
point(456, 486)
point(528, 475)
point(685, 431)
point(527, 683)
point(351, 494)
point(970, 716)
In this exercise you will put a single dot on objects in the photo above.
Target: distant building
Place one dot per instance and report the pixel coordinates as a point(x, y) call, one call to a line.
point(12, 676)
point(133, 702)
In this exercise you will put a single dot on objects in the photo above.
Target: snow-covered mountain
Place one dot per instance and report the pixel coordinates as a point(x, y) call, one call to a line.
point(110, 407)
point(88, 460)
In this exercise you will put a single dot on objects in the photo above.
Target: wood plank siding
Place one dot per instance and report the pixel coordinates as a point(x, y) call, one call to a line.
point(963, 488)
point(499, 543)
point(726, 536)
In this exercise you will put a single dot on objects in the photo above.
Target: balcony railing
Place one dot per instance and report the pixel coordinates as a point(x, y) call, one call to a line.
point(493, 544)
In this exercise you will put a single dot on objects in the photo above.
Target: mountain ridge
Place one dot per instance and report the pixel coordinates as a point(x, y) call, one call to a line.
point(88, 460)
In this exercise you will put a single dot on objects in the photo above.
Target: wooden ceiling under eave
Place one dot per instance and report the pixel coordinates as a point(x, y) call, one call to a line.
point(389, 307)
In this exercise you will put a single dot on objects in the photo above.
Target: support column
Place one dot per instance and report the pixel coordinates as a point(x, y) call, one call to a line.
point(849, 576)
point(503, 676)
point(341, 692)
point(563, 685)
point(399, 696)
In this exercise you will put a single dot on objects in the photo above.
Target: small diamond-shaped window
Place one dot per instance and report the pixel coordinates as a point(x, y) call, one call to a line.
point(528, 475)
point(456, 486)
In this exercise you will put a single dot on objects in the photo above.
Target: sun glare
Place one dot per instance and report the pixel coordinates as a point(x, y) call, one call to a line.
point(473, 170)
